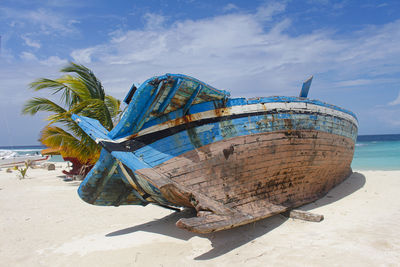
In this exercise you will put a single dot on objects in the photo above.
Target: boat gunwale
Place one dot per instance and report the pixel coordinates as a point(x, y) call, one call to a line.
point(173, 119)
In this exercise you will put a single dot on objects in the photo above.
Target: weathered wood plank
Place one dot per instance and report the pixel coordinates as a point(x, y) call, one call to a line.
point(303, 215)
point(286, 173)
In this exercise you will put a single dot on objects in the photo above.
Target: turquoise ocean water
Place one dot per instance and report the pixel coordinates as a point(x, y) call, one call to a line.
point(373, 152)
point(377, 152)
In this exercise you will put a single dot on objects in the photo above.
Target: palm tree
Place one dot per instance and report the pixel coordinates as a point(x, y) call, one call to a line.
point(81, 93)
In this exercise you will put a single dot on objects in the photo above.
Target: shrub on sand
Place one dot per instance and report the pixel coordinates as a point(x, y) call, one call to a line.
point(22, 170)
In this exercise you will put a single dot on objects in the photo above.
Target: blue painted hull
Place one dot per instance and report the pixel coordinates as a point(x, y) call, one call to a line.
point(204, 153)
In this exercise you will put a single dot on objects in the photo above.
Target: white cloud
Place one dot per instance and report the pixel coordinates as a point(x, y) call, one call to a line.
point(27, 56)
point(153, 21)
point(238, 52)
point(30, 42)
point(83, 56)
point(267, 11)
point(388, 115)
point(396, 101)
point(51, 22)
point(395, 121)
point(44, 20)
point(320, 2)
point(53, 61)
point(357, 82)
point(230, 7)
point(382, 5)
point(50, 61)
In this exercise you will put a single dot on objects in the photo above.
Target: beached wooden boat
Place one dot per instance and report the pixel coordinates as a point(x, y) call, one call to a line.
point(183, 143)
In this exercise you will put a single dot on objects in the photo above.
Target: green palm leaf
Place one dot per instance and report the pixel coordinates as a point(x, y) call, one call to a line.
point(69, 145)
point(88, 78)
point(37, 104)
point(80, 92)
point(113, 105)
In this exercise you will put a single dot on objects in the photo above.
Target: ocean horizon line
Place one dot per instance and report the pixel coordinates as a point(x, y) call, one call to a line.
point(360, 138)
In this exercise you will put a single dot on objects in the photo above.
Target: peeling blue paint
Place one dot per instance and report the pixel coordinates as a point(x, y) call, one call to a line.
point(165, 98)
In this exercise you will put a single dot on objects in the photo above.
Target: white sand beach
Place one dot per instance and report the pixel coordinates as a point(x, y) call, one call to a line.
point(44, 223)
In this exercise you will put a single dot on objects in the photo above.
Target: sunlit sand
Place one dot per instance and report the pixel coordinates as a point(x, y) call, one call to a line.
point(43, 222)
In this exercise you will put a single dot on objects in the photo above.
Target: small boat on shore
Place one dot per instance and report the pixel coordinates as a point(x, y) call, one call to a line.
point(18, 160)
point(183, 143)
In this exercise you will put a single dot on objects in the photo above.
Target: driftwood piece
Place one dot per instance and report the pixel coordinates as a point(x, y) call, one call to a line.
point(303, 215)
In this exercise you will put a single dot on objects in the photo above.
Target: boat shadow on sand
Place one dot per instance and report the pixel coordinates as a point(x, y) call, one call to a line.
point(225, 241)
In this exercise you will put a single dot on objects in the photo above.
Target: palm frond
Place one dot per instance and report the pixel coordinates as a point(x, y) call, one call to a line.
point(95, 109)
point(88, 78)
point(62, 85)
point(81, 93)
point(113, 106)
point(37, 104)
point(76, 86)
point(43, 83)
point(69, 145)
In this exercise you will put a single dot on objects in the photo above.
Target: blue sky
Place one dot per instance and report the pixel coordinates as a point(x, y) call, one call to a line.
point(250, 48)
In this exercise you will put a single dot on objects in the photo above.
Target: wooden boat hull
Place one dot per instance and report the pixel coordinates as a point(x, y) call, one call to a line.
point(263, 174)
point(235, 161)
